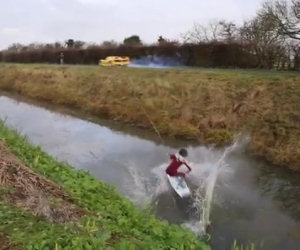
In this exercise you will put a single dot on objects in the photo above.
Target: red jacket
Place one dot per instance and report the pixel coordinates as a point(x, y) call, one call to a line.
point(176, 162)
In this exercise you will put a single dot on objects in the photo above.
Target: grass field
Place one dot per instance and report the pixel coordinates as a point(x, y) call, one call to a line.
point(203, 104)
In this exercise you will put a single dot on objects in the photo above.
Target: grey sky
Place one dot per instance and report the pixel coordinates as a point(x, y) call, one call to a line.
point(25, 21)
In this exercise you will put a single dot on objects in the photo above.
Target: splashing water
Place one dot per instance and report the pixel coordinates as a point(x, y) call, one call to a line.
point(146, 188)
point(203, 195)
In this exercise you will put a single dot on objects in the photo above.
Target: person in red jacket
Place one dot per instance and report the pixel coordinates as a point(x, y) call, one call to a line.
point(178, 160)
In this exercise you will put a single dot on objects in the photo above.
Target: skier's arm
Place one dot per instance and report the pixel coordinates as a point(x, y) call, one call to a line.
point(188, 166)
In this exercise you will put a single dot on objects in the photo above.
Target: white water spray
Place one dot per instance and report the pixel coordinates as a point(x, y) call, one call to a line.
point(142, 188)
point(205, 192)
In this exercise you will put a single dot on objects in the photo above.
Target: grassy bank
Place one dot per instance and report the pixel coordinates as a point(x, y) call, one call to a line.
point(208, 105)
point(49, 205)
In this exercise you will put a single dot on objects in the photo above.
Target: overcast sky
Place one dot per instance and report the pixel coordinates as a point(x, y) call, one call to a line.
point(26, 21)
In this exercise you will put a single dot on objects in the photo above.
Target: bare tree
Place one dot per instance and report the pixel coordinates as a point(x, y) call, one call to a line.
point(196, 34)
point(296, 50)
point(294, 54)
point(286, 15)
point(79, 44)
point(109, 44)
point(58, 45)
point(15, 47)
point(214, 30)
point(228, 30)
point(69, 43)
point(133, 40)
point(203, 33)
point(267, 44)
point(161, 40)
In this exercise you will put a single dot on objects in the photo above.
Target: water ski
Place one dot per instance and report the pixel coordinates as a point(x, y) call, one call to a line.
point(179, 185)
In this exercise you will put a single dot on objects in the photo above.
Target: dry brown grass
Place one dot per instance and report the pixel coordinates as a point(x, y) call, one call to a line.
point(5, 244)
point(206, 105)
point(26, 189)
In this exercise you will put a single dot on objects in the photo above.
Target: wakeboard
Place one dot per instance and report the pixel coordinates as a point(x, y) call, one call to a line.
point(179, 185)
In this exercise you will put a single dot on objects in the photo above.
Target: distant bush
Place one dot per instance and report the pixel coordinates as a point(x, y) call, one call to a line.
point(213, 54)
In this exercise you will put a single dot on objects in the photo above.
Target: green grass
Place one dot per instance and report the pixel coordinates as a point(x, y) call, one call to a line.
point(208, 105)
point(114, 222)
point(29, 232)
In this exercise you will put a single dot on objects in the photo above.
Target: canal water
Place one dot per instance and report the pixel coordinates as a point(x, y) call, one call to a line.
point(246, 199)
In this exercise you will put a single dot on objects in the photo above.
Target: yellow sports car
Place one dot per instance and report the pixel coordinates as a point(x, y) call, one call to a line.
point(115, 61)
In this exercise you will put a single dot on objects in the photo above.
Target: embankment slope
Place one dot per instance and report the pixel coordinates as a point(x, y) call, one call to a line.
point(207, 105)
